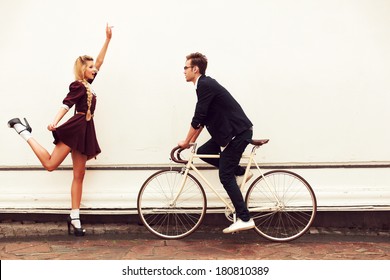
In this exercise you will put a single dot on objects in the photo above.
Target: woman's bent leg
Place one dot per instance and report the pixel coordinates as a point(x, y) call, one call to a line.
point(49, 161)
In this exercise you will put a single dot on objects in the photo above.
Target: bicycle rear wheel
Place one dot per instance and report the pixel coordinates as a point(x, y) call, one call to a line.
point(164, 217)
point(282, 204)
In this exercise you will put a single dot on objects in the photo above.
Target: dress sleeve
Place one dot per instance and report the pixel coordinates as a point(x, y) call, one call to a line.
point(76, 91)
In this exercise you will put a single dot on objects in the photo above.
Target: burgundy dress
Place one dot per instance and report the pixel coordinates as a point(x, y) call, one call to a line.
point(78, 133)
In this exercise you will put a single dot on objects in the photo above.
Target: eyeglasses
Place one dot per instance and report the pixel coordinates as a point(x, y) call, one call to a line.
point(186, 67)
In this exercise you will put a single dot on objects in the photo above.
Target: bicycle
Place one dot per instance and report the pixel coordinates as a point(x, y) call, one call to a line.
point(172, 202)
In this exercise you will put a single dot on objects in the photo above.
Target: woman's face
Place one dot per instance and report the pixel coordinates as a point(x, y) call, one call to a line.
point(90, 71)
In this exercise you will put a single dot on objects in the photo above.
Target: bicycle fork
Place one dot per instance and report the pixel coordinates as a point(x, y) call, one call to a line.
point(185, 171)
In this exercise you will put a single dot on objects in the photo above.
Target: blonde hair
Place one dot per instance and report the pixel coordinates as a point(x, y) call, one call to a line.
point(80, 65)
point(79, 68)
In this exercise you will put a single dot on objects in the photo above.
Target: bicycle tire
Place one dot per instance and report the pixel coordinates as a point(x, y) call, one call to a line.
point(282, 204)
point(155, 209)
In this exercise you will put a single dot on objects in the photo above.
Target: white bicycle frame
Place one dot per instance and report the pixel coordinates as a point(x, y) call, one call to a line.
point(190, 165)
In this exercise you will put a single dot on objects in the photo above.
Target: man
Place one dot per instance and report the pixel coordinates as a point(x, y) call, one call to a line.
point(229, 128)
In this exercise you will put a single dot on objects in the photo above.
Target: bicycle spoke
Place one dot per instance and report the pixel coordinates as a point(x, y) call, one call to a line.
point(282, 204)
point(168, 210)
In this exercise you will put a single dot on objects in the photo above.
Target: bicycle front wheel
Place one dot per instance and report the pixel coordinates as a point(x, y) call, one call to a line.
point(168, 210)
point(282, 204)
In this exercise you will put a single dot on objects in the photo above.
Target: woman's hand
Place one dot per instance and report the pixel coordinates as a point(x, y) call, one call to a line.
point(109, 31)
point(51, 127)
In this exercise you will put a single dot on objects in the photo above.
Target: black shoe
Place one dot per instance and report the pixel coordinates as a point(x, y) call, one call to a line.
point(14, 121)
point(76, 231)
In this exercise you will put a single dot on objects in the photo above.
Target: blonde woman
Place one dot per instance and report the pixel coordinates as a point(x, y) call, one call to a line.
point(77, 135)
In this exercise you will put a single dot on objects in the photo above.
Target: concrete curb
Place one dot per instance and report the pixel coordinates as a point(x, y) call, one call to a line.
point(30, 229)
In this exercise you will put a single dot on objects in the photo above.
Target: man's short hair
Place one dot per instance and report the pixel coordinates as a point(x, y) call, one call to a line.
point(200, 60)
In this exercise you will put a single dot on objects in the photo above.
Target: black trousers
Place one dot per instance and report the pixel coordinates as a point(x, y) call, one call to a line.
point(229, 168)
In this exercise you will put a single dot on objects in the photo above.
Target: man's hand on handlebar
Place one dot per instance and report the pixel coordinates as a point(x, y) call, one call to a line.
point(183, 144)
point(191, 137)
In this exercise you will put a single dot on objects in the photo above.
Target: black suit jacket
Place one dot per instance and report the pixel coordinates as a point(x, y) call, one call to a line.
point(218, 111)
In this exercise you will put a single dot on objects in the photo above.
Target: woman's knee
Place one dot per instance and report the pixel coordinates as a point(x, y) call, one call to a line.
point(78, 175)
point(50, 166)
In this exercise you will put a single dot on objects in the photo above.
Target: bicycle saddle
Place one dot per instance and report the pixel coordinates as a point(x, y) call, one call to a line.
point(257, 142)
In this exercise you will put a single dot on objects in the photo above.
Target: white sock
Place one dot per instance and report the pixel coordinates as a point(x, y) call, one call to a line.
point(75, 214)
point(22, 131)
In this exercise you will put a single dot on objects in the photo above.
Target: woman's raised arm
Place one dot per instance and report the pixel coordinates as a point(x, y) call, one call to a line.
point(102, 54)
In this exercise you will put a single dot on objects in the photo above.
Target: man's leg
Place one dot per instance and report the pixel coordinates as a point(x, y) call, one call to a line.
point(210, 148)
point(229, 162)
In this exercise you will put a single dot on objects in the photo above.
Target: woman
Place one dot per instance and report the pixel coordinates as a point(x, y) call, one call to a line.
point(77, 135)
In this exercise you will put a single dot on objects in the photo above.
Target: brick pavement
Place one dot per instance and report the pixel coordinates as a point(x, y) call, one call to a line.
point(42, 241)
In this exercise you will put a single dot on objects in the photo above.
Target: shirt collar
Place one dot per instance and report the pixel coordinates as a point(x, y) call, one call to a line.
point(196, 83)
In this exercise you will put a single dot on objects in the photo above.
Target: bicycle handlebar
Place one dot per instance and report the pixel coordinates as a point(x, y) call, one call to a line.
point(175, 155)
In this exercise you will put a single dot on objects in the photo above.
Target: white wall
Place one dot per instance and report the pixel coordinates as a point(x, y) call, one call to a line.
point(313, 76)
